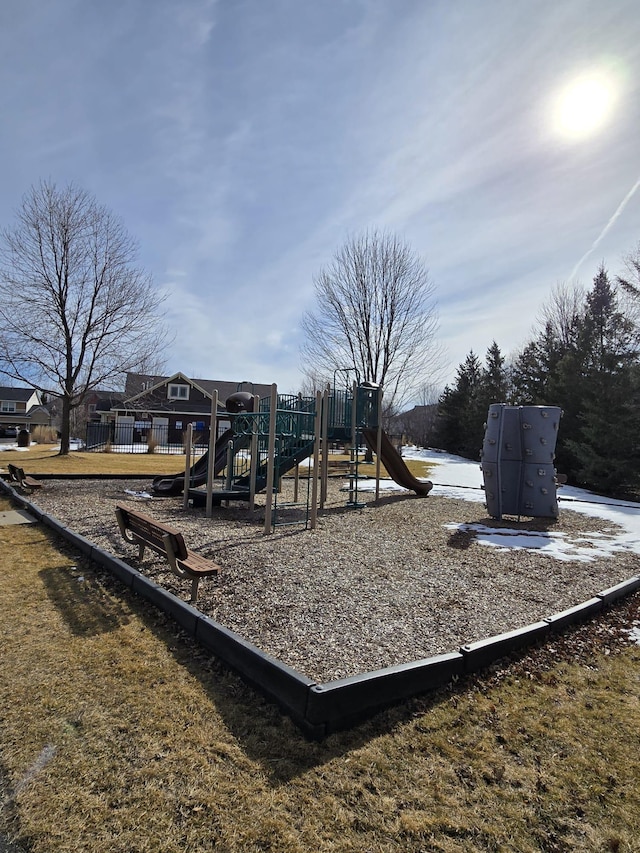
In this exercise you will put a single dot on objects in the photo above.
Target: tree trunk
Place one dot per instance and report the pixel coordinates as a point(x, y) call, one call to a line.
point(65, 426)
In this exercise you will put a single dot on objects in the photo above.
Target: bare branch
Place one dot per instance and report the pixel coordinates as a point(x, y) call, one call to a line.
point(77, 313)
point(376, 313)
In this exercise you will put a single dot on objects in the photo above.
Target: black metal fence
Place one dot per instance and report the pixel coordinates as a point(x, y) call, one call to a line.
point(143, 437)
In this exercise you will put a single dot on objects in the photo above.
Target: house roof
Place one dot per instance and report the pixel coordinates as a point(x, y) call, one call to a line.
point(105, 400)
point(38, 413)
point(226, 389)
point(135, 383)
point(20, 395)
point(207, 386)
point(107, 395)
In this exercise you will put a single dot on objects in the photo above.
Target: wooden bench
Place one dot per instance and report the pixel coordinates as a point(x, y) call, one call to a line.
point(17, 475)
point(145, 532)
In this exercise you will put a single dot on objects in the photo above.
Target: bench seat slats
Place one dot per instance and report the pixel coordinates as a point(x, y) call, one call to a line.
point(146, 532)
point(18, 476)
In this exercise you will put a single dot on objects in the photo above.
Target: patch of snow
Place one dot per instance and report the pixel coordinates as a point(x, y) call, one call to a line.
point(584, 548)
point(456, 477)
point(634, 633)
point(74, 444)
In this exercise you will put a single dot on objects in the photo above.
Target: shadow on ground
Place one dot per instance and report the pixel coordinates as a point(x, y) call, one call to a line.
point(84, 604)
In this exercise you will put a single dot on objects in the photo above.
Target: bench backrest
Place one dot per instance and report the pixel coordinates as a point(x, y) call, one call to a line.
point(15, 473)
point(152, 531)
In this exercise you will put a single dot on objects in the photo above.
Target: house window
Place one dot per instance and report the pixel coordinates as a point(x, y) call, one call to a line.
point(178, 392)
point(8, 406)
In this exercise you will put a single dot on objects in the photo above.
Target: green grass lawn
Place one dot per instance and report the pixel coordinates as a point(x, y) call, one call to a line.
point(118, 734)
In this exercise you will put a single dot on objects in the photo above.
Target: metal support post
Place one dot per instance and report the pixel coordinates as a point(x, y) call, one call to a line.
point(187, 466)
point(213, 435)
point(271, 454)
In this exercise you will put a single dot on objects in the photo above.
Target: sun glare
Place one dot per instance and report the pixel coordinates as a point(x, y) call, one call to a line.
point(584, 106)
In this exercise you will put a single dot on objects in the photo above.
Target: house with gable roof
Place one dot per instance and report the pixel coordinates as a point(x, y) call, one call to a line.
point(22, 408)
point(166, 404)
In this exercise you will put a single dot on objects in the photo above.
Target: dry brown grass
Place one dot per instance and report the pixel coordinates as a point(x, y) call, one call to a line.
point(43, 434)
point(117, 734)
point(45, 459)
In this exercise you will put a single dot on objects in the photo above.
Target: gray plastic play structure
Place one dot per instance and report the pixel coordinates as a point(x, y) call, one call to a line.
point(518, 460)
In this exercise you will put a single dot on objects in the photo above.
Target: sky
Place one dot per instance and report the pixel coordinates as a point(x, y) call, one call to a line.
point(242, 142)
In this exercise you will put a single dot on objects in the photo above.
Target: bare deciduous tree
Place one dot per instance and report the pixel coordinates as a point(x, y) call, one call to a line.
point(76, 312)
point(562, 312)
point(375, 314)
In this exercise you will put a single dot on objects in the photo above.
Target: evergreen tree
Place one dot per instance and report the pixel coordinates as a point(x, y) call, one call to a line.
point(458, 411)
point(566, 388)
point(604, 443)
point(584, 359)
point(533, 368)
point(494, 381)
point(541, 359)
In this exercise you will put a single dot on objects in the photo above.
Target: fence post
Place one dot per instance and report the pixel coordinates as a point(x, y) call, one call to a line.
point(378, 443)
point(317, 430)
point(325, 446)
point(255, 453)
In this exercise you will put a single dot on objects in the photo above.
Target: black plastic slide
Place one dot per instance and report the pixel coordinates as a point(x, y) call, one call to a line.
point(173, 484)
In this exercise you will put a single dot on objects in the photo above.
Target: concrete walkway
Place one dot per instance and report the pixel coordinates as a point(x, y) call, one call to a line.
point(15, 516)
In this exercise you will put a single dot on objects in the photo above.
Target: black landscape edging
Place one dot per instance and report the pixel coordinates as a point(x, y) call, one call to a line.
point(55, 525)
point(76, 539)
point(279, 682)
point(118, 568)
point(148, 477)
point(182, 613)
point(271, 676)
point(574, 615)
point(619, 590)
point(482, 653)
point(16, 496)
point(341, 703)
point(319, 709)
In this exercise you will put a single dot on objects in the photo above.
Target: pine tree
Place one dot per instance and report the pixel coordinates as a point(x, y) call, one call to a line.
point(604, 443)
point(495, 385)
point(458, 411)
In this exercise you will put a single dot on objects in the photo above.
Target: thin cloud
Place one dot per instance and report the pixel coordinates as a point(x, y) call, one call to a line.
point(243, 142)
point(612, 221)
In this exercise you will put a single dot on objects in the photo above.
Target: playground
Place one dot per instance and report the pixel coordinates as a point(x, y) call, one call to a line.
point(264, 440)
point(373, 586)
point(331, 578)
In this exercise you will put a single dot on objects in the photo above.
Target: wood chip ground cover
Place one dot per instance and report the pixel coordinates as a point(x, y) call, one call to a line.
point(368, 588)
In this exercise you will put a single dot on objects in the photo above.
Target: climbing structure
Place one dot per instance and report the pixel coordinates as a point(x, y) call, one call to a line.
point(270, 437)
point(517, 464)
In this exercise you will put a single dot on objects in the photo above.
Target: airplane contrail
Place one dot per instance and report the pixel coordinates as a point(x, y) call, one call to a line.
point(625, 201)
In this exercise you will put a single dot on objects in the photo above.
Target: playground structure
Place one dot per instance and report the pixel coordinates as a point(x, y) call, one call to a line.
point(271, 437)
point(517, 464)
